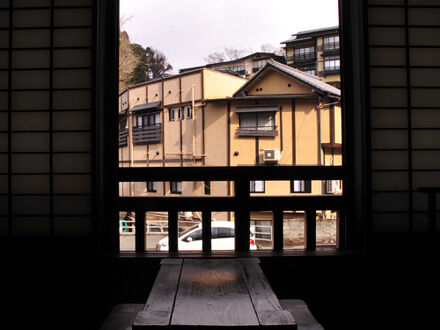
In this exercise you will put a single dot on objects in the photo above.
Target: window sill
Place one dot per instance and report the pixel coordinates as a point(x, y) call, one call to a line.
point(267, 133)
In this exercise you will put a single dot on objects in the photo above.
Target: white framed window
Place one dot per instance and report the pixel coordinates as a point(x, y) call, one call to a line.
point(172, 114)
point(257, 186)
point(188, 111)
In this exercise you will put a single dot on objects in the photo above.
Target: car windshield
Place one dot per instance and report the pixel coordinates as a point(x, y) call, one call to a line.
point(188, 230)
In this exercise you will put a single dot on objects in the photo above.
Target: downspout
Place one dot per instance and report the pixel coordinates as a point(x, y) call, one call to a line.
point(319, 130)
point(194, 121)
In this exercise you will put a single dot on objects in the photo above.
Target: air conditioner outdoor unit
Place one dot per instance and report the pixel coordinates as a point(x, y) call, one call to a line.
point(271, 155)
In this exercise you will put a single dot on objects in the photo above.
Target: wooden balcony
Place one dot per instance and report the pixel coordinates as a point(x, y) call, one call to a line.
point(147, 135)
point(123, 137)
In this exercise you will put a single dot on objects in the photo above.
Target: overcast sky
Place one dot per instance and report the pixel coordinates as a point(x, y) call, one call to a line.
point(186, 31)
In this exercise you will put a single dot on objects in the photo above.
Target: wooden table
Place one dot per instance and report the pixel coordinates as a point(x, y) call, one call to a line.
point(214, 293)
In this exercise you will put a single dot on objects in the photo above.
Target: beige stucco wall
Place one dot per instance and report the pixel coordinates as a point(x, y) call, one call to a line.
point(171, 91)
point(187, 83)
point(154, 92)
point(273, 82)
point(137, 95)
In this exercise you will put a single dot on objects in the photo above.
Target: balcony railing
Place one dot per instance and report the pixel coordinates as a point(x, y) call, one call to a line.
point(304, 57)
point(241, 203)
point(147, 135)
point(329, 71)
point(123, 137)
point(257, 131)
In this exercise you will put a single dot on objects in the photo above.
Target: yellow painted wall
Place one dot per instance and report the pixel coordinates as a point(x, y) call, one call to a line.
point(338, 124)
point(219, 85)
point(216, 128)
point(325, 125)
point(273, 82)
point(306, 132)
point(187, 82)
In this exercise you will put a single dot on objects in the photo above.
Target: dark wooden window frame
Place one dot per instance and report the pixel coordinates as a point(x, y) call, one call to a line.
point(353, 205)
point(307, 186)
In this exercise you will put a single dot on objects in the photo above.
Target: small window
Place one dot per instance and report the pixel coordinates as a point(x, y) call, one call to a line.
point(176, 187)
point(257, 186)
point(301, 186)
point(151, 186)
point(172, 114)
point(179, 113)
point(257, 121)
point(333, 187)
point(207, 187)
point(188, 112)
point(139, 121)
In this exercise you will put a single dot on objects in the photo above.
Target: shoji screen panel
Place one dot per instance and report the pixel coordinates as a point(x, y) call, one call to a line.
point(46, 117)
point(404, 79)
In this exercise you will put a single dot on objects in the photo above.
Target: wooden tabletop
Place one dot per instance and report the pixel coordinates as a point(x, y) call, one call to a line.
point(214, 293)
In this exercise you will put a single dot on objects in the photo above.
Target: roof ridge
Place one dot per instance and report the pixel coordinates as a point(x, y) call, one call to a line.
point(307, 78)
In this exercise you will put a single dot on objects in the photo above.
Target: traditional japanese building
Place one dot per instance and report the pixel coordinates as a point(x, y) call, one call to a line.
point(316, 52)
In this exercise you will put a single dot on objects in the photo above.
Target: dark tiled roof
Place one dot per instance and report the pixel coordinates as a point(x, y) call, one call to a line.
point(303, 77)
point(308, 34)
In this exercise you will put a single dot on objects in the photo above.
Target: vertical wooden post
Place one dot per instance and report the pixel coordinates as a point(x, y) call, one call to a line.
point(432, 214)
point(278, 230)
point(242, 221)
point(172, 231)
point(206, 231)
point(140, 231)
point(310, 230)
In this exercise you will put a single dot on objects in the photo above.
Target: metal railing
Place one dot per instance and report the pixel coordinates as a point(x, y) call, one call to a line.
point(242, 203)
point(257, 131)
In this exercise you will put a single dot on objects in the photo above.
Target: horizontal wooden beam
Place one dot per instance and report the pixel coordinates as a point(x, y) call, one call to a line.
point(220, 173)
point(288, 203)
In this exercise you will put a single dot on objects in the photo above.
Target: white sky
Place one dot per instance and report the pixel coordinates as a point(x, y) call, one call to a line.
point(186, 31)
